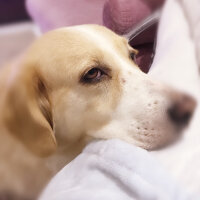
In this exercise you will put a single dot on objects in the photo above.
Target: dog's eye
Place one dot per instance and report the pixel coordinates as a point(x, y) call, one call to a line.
point(93, 75)
point(132, 56)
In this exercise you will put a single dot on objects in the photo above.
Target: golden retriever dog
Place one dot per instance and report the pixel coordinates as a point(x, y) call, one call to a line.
point(71, 86)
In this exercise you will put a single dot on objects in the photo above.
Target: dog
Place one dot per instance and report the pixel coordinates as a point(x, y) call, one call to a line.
point(71, 86)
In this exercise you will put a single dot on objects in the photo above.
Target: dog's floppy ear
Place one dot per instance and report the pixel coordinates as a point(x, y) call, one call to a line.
point(26, 111)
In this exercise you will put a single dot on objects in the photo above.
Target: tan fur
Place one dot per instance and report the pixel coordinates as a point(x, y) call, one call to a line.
point(48, 115)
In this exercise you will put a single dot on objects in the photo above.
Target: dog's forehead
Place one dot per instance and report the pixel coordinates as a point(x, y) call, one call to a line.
point(81, 41)
point(103, 39)
point(99, 37)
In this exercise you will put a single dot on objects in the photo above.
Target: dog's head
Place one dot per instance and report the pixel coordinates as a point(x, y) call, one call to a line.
point(82, 82)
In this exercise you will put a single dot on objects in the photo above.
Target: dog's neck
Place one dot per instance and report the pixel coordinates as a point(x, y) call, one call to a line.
point(66, 154)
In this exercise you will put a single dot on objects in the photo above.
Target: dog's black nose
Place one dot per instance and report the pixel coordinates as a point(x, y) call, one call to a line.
point(182, 110)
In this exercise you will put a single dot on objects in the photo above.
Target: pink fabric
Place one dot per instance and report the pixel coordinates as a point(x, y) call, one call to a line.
point(118, 15)
point(121, 15)
point(51, 14)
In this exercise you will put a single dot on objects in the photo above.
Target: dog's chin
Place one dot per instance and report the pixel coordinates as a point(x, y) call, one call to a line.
point(173, 137)
point(166, 144)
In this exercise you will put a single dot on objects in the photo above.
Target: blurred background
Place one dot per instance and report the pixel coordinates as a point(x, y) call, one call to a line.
point(16, 29)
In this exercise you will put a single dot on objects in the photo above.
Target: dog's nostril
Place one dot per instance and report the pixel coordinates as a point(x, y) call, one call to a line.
point(182, 110)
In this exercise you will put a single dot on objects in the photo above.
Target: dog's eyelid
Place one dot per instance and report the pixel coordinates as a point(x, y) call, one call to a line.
point(105, 72)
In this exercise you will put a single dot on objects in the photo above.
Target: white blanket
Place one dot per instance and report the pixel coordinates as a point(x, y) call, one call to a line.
point(116, 170)
point(176, 63)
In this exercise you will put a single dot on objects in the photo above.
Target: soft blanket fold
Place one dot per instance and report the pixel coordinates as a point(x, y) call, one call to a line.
point(192, 12)
point(175, 63)
point(115, 170)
